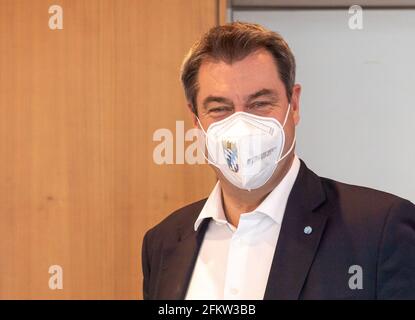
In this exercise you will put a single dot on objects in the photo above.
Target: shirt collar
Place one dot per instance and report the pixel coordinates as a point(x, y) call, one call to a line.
point(213, 207)
point(273, 205)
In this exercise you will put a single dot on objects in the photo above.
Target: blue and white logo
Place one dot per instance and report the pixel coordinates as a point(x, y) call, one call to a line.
point(231, 155)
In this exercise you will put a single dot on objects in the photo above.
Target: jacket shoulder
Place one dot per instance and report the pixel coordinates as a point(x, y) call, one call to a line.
point(359, 195)
point(361, 206)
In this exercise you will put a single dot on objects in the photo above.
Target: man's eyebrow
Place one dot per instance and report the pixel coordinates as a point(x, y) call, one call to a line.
point(218, 99)
point(263, 92)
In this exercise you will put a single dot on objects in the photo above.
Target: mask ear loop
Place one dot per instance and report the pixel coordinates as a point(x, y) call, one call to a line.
point(295, 135)
point(206, 137)
point(289, 150)
point(286, 115)
point(292, 144)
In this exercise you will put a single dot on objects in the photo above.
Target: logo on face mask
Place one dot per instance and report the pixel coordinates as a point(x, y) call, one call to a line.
point(231, 155)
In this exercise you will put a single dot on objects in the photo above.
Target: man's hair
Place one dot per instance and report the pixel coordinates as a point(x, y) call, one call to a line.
point(233, 42)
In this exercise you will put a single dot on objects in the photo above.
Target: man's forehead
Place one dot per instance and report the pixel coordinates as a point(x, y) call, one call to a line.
point(241, 79)
point(258, 58)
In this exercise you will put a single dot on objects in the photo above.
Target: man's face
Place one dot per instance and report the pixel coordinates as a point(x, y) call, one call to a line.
point(251, 85)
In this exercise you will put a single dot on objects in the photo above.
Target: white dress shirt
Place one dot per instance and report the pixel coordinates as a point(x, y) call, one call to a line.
point(234, 263)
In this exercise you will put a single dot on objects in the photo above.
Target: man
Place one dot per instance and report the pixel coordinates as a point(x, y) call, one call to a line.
point(271, 228)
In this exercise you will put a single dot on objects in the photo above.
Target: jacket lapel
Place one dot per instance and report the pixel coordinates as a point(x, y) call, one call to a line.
point(296, 246)
point(179, 259)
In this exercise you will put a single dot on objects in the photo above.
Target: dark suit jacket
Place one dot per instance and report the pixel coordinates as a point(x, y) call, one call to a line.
point(351, 226)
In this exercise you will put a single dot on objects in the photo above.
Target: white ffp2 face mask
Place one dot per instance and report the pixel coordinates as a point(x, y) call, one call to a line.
point(246, 148)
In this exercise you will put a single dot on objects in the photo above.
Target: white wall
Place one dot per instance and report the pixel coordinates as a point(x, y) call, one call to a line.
point(358, 101)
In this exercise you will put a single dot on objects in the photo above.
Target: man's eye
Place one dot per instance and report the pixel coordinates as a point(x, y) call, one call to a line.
point(260, 104)
point(218, 109)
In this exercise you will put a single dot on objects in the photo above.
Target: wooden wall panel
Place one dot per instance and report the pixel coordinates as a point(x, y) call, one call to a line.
point(78, 108)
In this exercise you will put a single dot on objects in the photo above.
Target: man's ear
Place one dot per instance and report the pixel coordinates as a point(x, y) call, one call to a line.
point(295, 103)
point(194, 118)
